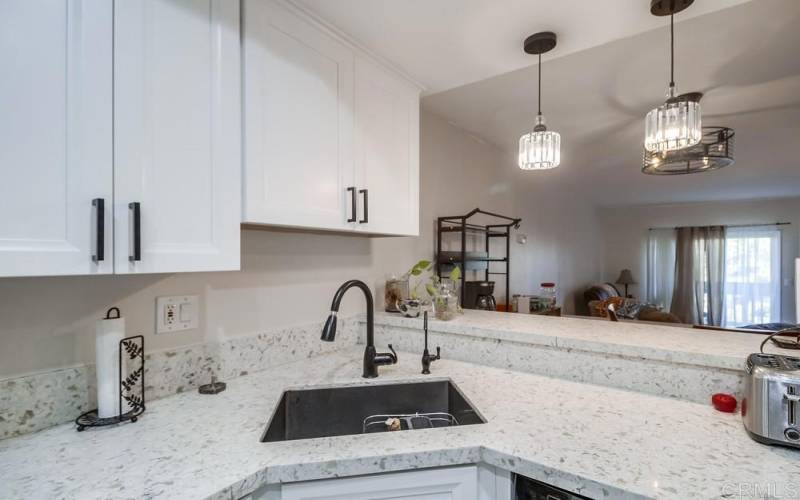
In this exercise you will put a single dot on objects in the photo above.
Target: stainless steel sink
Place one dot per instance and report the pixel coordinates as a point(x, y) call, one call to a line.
point(339, 411)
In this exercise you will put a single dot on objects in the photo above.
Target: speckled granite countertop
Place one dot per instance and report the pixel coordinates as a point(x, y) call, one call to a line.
point(673, 344)
point(601, 442)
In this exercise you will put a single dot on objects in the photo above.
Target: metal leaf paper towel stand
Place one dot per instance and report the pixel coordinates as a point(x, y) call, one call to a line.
point(131, 386)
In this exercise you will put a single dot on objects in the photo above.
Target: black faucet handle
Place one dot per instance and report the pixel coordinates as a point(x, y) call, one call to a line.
point(438, 352)
point(384, 358)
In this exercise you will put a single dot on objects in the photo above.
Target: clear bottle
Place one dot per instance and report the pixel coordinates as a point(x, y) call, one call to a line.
point(396, 291)
point(547, 291)
point(445, 303)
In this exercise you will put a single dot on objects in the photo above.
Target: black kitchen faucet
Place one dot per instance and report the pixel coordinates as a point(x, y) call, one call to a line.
point(372, 359)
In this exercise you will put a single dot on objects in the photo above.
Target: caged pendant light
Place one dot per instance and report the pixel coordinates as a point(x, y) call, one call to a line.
point(714, 151)
point(540, 149)
point(676, 124)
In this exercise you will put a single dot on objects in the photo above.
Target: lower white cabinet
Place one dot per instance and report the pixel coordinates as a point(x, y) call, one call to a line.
point(434, 484)
point(467, 482)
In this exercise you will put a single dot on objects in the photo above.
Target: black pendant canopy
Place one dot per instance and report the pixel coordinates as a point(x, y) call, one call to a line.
point(539, 43)
point(668, 7)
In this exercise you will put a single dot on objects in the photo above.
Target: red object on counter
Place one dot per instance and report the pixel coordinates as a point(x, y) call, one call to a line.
point(724, 402)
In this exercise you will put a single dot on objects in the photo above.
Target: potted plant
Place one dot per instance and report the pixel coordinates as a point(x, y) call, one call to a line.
point(397, 289)
point(443, 292)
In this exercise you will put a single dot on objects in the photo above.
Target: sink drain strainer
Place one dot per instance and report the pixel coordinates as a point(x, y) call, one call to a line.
point(407, 421)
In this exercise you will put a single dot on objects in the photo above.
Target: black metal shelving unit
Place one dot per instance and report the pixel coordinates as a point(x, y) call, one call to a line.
point(459, 224)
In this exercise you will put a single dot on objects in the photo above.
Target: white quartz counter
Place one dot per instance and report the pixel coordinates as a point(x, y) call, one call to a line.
point(602, 442)
point(706, 348)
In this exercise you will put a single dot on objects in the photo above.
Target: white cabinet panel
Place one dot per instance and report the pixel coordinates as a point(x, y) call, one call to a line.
point(55, 135)
point(177, 134)
point(453, 483)
point(387, 151)
point(298, 114)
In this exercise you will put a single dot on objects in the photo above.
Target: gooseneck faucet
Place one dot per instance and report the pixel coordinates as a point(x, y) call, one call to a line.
point(372, 359)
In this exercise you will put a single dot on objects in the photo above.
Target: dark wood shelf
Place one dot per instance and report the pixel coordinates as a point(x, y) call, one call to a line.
point(459, 224)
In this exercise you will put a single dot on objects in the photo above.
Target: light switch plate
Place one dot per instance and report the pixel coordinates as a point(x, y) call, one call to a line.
point(176, 313)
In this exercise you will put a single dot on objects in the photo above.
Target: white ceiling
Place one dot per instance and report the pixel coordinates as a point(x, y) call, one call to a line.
point(447, 43)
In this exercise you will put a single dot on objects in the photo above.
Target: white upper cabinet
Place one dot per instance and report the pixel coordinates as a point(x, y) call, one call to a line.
point(177, 135)
point(298, 115)
point(55, 137)
point(386, 151)
point(331, 138)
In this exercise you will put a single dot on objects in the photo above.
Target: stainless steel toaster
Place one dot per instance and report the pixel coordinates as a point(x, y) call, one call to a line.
point(771, 403)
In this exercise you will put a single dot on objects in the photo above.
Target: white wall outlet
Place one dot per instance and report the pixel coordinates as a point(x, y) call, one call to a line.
point(177, 313)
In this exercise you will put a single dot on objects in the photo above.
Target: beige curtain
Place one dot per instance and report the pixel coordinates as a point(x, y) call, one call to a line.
point(699, 275)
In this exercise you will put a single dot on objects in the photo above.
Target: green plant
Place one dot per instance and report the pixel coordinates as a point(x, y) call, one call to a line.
point(433, 284)
point(416, 270)
point(455, 274)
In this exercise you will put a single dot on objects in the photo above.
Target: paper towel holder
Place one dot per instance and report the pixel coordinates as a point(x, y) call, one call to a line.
point(112, 311)
point(131, 386)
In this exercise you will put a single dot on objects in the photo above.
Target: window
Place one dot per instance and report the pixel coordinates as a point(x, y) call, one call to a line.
point(752, 276)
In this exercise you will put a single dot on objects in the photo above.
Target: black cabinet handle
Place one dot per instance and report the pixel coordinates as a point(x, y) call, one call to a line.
point(353, 208)
point(135, 237)
point(365, 192)
point(99, 205)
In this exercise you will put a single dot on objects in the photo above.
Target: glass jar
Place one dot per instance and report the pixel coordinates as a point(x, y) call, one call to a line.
point(445, 303)
point(396, 291)
point(547, 293)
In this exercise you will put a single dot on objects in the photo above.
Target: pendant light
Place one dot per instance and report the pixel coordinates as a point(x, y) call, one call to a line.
point(540, 149)
point(676, 124)
point(714, 151)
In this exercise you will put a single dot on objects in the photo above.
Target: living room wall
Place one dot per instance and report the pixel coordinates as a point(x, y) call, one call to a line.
point(625, 231)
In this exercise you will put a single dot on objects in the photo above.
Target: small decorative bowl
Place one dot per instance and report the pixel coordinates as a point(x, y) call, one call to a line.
point(410, 308)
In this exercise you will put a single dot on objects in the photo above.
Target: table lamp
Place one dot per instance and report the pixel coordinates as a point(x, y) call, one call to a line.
point(625, 278)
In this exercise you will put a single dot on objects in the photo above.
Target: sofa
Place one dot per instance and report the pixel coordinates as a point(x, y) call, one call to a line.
point(599, 295)
point(600, 291)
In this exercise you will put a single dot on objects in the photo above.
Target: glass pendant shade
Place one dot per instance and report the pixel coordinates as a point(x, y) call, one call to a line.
point(540, 149)
point(674, 125)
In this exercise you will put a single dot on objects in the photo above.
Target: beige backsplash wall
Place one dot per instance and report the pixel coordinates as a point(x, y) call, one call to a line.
point(287, 277)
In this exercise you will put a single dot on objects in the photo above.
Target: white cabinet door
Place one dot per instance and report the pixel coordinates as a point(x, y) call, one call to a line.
point(453, 483)
point(177, 140)
point(55, 136)
point(387, 151)
point(298, 121)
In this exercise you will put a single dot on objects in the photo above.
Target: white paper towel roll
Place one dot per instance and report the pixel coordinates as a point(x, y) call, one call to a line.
point(109, 332)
